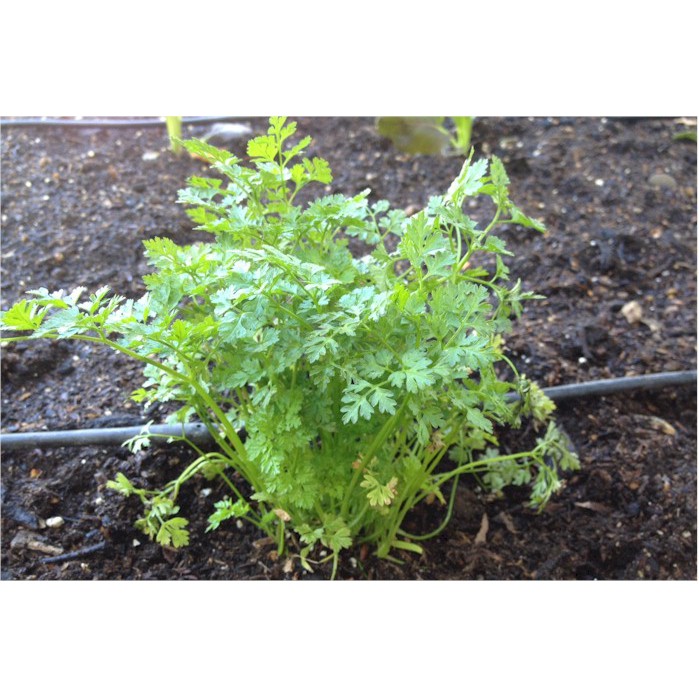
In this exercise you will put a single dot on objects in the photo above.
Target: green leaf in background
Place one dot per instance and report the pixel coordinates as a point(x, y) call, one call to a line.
point(174, 132)
point(427, 135)
point(415, 134)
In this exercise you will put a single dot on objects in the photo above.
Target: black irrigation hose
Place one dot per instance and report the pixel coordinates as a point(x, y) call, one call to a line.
point(195, 432)
point(603, 387)
point(109, 123)
point(198, 434)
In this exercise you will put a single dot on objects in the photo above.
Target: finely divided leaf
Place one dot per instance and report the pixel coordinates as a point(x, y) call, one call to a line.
point(263, 148)
point(468, 182)
point(173, 532)
point(416, 373)
point(24, 315)
point(121, 484)
point(355, 405)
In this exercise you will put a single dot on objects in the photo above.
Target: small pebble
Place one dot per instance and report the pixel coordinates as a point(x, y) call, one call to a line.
point(660, 180)
point(632, 311)
point(411, 209)
point(662, 426)
point(26, 540)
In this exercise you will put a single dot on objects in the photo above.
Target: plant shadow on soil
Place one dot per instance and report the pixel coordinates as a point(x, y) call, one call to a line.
point(76, 205)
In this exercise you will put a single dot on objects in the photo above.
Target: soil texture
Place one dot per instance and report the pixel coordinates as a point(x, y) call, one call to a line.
point(617, 267)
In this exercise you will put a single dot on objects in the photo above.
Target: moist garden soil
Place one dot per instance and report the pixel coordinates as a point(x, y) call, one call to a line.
point(619, 199)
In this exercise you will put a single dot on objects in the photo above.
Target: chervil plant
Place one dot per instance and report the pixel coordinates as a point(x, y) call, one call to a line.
point(343, 390)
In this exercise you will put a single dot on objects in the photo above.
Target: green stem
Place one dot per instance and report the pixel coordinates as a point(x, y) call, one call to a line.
point(240, 454)
point(473, 248)
point(482, 465)
point(445, 521)
point(380, 438)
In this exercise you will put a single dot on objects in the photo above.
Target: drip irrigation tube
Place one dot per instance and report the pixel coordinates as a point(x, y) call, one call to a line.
point(603, 387)
point(195, 432)
point(109, 123)
point(198, 434)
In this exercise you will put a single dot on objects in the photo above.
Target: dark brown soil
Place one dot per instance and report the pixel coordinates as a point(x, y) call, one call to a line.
point(76, 205)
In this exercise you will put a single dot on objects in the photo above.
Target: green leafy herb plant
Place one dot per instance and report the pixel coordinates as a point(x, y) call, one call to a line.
point(427, 135)
point(340, 390)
